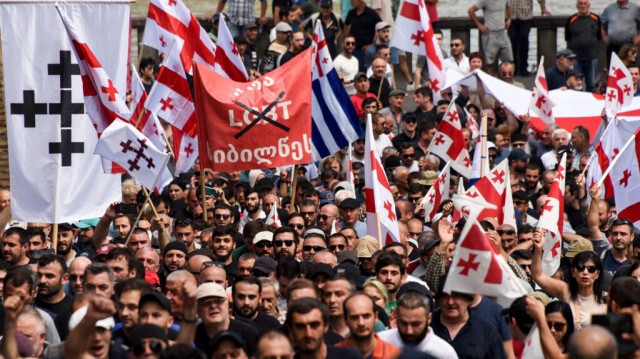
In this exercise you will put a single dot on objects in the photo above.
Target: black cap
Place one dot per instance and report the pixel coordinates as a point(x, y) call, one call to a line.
point(350, 272)
point(574, 73)
point(392, 162)
point(314, 269)
point(156, 297)
point(518, 154)
point(520, 194)
point(148, 331)
point(177, 245)
point(326, 3)
point(264, 183)
point(349, 203)
point(251, 25)
point(562, 149)
point(429, 245)
point(412, 287)
point(227, 335)
point(519, 137)
point(409, 115)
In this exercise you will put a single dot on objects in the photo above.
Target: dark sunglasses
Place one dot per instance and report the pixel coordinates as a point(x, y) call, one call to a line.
point(73, 277)
point(222, 216)
point(414, 199)
point(155, 346)
point(508, 232)
point(525, 266)
point(333, 247)
point(455, 45)
point(287, 243)
point(183, 221)
point(411, 120)
point(308, 213)
point(313, 248)
point(208, 264)
point(350, 43)
point(296, 225)
point(264, 244)
point(557, 326)
point(581, 267)
point(409, 155)
point(324, 217)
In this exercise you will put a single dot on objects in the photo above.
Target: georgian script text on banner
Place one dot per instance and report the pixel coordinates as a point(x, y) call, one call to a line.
point(261, 124)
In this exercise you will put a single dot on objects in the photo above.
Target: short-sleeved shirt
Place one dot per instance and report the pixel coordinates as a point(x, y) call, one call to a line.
point(363, 26)
point(581, 32)
point(382, 350)
point(621, 22)
point(494, 12)
point(241, 12)
point(431, 344)
point(490, 312)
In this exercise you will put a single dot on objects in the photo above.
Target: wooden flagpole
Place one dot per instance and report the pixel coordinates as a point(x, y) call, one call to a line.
point(294, 186)
point(204, 194)
point(379, 230)
point(54, 238)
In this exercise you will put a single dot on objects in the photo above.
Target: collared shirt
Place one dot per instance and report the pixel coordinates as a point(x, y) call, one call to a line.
point(522, 9)
point(476, 339)
point(431, 344)
point(621, 22)
point(383, 350)
point(240, 12)
point(462, 67)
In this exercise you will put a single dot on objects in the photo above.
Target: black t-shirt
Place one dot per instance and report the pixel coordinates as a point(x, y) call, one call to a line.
point(342, 353)
point(363, 26)
point(402, 138)
point(384, 91)
point(61, 309)
point(232, 271)
point(264, 322)
point(246, 331)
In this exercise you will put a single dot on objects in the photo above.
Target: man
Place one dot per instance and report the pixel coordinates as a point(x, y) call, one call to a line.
point(149, 258)
point(37, 240)
point(593, 342)
point(246, 263)
point(241, 14)
point(507, 71)
point(584, 29)
point(426, 130)
point(246, 293)
point(521, 21)
point(508, 237)
point(468, 335)
point(52, 273)
point(251, 53)
point(335, 292)
point(263, 244)
point(277, 47)
point(382, 140)
point(524, 258)
point(154, 308)
point(31, 325)
point(98, 280)
point(15, 246)
point(557, 74)
point(361, 86)
point(532, 178)
point(408, 132)
point(329, 214)
point(350, 213)
point(458, 61)
point(391, 271)
point(314, 242)
point(309, 210)
point(213, 274)
point(338, 243)
point(184, 232)
point(223, 215)
point(495, 41)
point(361, 316)
point(174, 258)
point(5, 198)
point(66, 238)
point(269, 298)
point(621, 238)
point(174, 289)
point(380, 85)
point(149, 338)
point(295, 47)
point(285, 241)
point(361, 22)
point(382, 36)
point(76, 275)
point(346, 64)
point(222, 244)
point(128, 294)
point(574, 81)
point(634, 70)
point(139, 239)
point(396, 101)
point(618, 20)
point(580, 141)
point(274, 344)
point(121, 262)
point(307, 322)
point(332, 26)
point(413, 317)
point(213, 310)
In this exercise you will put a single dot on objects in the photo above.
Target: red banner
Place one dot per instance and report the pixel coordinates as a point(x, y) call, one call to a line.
point(261, 124)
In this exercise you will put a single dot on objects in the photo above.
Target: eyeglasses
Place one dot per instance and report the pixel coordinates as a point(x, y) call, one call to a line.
point(414, 199)
point(222, 216)
point(183, 221)
point(333, 247)
point(205, 302)
point(313, 248)
point(508, 232)
point(525, 266)
point(409, 155)
point(287, 243)
point(411, 120)
point(308, 213)
point(350, 43)
point(296, 225)
point(324, 217)
point(581, 267)
point(264, 244)
point(557, 326)
point(208, 264)
point(507, 73)
point(154, 345)
point(455, 45)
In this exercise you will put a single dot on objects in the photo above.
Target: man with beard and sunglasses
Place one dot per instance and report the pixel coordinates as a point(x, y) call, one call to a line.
point(246, 302)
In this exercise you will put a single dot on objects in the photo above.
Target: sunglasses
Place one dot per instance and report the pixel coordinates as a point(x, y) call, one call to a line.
point(525, 266)
point(287, 243)
point(333, 247)
point(154, 345)
point(581, 267)
point(557, 326)
point(73, 277)
point(324, 217)
point(350, 43)
point(411, 120)
point(409, 155)
point(264, 244)
point(208, 264)
point(183, 221)
point(414, 199)
point(296, 225)
point(307, 213)
point(222, 216)
point(455, 45)
point(313, 248)
point(508, 232)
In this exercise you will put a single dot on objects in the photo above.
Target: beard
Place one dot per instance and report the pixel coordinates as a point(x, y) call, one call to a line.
point(414, 339)
point(242, 310)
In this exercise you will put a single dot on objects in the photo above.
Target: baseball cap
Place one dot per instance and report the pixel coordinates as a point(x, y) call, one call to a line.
point(574, 73)
point(350, 272)
point(76, 317)
point(156, 297)
point(86, 223)
point(265, 265)
point(263, 236)
point(367, 245)
point(382, 25)
point(562, 149)
point(211, 290)
point(148, 331)
point(227, 335)
point(359, 75)
point(326, 3)
point(565, 53)
point(104, 250)
point(349, 203)
point(429, 245)
point(520, 194)
point(265, 183)
point(412, 287)
point(346, 255)
point(251, 25)
point(392, 162)
point(319, 268)
point(519, 137)
point(283, 27)
point(327, 197)
point(579, 245)
point(518, 154)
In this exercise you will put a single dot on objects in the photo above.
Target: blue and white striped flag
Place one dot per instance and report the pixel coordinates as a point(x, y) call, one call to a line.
point(335, 121)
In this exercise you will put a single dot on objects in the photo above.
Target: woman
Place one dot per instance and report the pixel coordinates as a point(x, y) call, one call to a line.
point(560, 322)
point(580, 293)
point(377, 291)
point(627, 54)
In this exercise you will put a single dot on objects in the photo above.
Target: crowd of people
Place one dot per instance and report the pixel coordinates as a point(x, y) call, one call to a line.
point(275, 264)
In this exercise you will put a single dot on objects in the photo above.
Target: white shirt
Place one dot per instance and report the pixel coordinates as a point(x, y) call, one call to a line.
point(347, 69)
point(382, 142)
point(463, 67)
point(549, 160)
point(431, 344)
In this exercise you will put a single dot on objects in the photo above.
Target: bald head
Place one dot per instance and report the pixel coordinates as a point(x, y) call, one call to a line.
point(593, 342)
point(213, 274)
point(325, 257)
point(195, 263)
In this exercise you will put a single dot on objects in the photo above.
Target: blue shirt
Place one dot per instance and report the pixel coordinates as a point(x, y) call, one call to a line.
point(555, 78)
point(476, 339)
point(490, 311)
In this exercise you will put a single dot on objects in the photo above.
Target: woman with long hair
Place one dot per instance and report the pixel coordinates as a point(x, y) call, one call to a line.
point(560, 322)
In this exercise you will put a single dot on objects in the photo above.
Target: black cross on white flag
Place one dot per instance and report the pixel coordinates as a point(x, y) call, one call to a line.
point(55, 177)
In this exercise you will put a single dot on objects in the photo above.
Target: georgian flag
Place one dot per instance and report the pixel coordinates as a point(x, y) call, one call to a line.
point(170, 97)
point(532, 346)
point(495, 188)
point(540, 102)
point(619, 91)
point(477, 266)
point(626, 180)
point(170, 21)
point(413, 33)
point(124, 144)
point(228, 61)
point(437, 194)
point(604, 152)
point(144, 120)
point(478, 158)
point(185, 149)
point(380, 204)
point(272, 218)
point(552, 219)
point(448, 142)
point(472, 124)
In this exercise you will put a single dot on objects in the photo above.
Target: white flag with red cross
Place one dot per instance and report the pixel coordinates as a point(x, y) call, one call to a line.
point(185, 148)
point(170, 97)
point(552, 219)
point(437, 194)
point(413, 33)
point(472, 124)
point(540, 102)
point(228, 61)
point(495, 187)
point(103, 102)
point(144, 120)
point(626, 180)
point(349, 175)
point(272, 218)
point(603, 154)
point(619, 91)
point(124, 144)
point(532, 346)
point(380, 204)
point(170, 21)
point(448, 142)
point(477, 266)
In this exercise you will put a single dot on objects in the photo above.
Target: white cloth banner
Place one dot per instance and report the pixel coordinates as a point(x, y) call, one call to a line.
point(55, 177)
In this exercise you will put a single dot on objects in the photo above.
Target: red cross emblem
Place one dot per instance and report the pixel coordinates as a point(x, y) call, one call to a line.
point(625, 179)
point(166, 104)
point(188, 150)
point(325, 60)
point(468, 264)
point(164, 43)
point(546, 207)
point(559, 175)
point(439, 140)
point(110, 90)
point(417, 38)
point(172, 2)
point(612, 95)
point(454, 116)
point(435, 85)
point(389, 208)
point(498, 177)
point(554, 249)
point(541, 101)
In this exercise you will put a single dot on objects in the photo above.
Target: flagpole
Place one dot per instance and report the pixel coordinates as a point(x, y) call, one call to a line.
point(483, 145)
point(294, 185)
point(169, 146)
point(615, 160)
point(379, 230)
point(204, 194)
point(54, 238)
point(135, 224)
